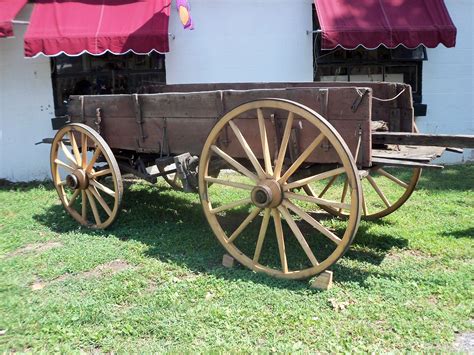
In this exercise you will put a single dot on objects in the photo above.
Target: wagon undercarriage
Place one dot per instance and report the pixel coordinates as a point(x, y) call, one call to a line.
point(284, 171)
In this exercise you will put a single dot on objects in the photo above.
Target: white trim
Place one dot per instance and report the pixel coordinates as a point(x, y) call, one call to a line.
point(94, 54)
point(381, 44)
point(20, 22)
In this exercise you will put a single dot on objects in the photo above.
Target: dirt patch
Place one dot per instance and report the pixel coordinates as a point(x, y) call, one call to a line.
point(184, 277)
point(464, 343)
point(399, 254)
point(37, 285)
point(109, 268)
point(151, 288)
point(34, 248)
point(112, 267)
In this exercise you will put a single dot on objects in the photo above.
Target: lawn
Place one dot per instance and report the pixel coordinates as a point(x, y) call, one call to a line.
point(154, 280)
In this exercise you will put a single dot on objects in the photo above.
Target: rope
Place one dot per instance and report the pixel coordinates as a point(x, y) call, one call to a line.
point(383, 100)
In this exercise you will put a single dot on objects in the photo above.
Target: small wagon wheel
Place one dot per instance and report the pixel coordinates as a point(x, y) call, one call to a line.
point(259, 212)
point(384, 190)
point(86, 176)
point(171, 179)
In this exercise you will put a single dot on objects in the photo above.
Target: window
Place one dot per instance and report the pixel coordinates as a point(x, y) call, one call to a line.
point(381, 64)
point(105, 74)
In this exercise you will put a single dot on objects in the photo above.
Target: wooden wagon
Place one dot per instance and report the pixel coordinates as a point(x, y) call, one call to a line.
point(285, 171)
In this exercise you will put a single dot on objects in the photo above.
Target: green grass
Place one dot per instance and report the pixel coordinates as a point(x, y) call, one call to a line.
point(406, 283)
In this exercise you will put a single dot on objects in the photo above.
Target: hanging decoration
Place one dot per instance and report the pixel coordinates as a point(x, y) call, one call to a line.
point(185, 14)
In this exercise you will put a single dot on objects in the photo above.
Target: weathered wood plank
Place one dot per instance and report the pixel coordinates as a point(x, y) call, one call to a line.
point(403, 152)
point(404, 163)
point(438, 140)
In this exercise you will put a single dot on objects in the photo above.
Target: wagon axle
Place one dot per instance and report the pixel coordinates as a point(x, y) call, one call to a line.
point(267, 194)
point(77, 180)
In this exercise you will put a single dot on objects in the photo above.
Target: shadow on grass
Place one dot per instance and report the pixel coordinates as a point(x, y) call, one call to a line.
point(6, 185)
point(173, 226)
point(457, 177)
point(464, 233)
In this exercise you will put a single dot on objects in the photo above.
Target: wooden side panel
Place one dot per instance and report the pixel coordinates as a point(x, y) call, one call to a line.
point(381, 110)
point(182, 121)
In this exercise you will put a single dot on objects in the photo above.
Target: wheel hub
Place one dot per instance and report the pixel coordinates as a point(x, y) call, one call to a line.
point(78, 180)
point(267, 194)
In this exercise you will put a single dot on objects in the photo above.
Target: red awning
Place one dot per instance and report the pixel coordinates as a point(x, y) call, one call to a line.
point(97, 26)
point(371, 23)
point(8, 10)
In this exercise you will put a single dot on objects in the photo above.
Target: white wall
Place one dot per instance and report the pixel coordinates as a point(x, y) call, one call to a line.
point(234, 41)
point(448, 82)
point(26, 106)
point(241, 41)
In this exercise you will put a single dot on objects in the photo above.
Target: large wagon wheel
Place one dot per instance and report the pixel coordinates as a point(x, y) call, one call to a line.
point(86, 176)
point(384, 190)
point(239, 206)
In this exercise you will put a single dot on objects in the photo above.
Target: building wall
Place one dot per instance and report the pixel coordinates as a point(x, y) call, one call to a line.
point(242, 41)
point(234, 41)
point(26, 105)
point(448, 82)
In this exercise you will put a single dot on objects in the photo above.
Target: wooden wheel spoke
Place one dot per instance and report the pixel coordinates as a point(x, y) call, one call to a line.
point(84, 205)
point(280, 240)
point(84, 149)
point(299, 236)
point(328, 186)
point(73, 197)
point(372, 182)
point(237, 185)
point(393, 178)
point(307, 152)
point(308, 180)
point(265, 147)
point(244, 225)
point(64, 165)
point(309, 190)
point(68, 154)
point(314, 223)
point(231, 205)
point(75, 148)
point(101, 173)
point(364, 205)
point(101, 201)
point(344, 192)
point(93, 159)
point(95, 212)
point(261, 235)
point(239, 167)
point(248, 151)
point(283, 145)
point(102, 187)
point(317, 200)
